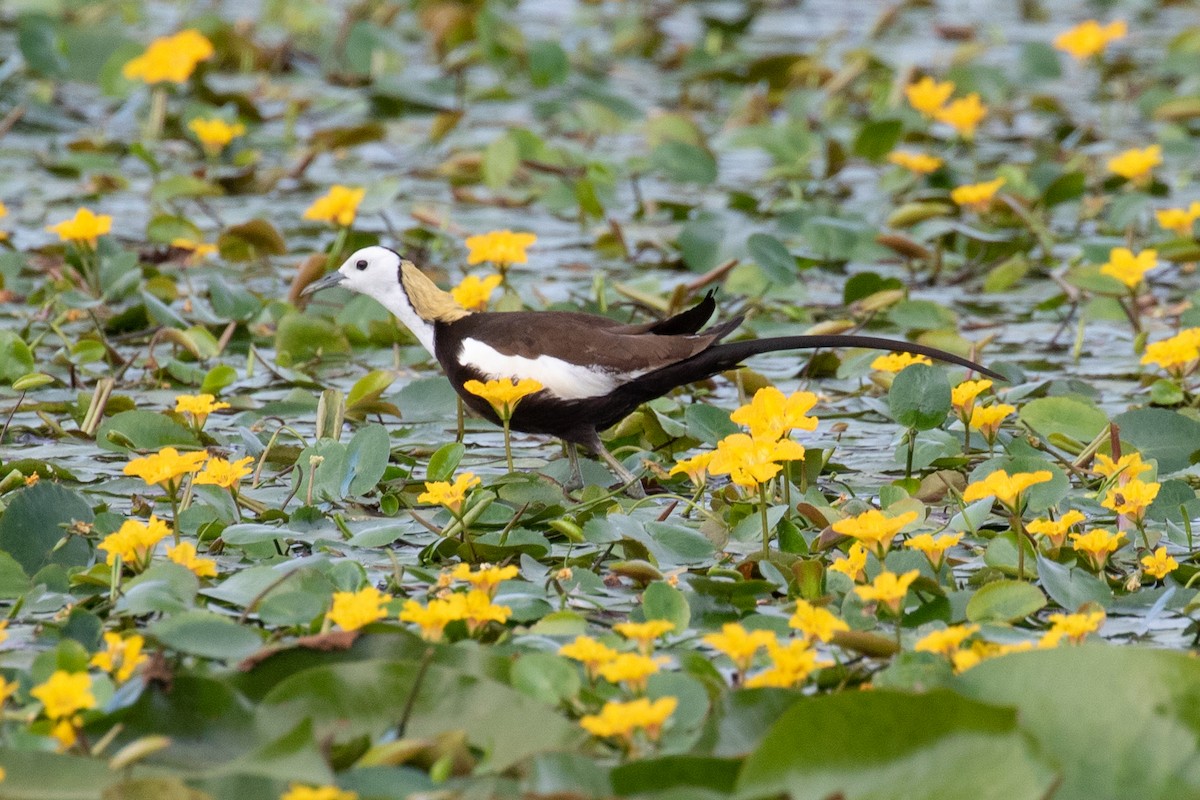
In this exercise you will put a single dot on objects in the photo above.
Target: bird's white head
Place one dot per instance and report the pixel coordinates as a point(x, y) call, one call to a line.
point(398, 285)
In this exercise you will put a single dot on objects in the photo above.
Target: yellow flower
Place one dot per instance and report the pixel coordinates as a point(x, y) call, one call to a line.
point(1132, 499)
point(946, 640)
point(874, 529)
point(964, 115)
point(486, 578)
point(631, 669)
point(504, 394)
point(623, 720)
point(696, 467)
point(1127, 467)
point(298, 791)
point(503, 248)
point(478, 610)
point(473, 293)
point(85, 226)
point(928, 96)
point(7, 689)
point(214, 134)
point(199, 406)
point(450, 495)
point(184, 554)
point(987, 419)
point(1178, 355)
point(339, 205)
point(934, 548)
point(964, 395)
point(894, 362)
point(353, 610)
point(1159, 565)
point(791, 664)
point(65, 694)
point(920, 163)
point(433, 618)
point(166, 466)
point(1055, 530)
point(853, 563)
point(120, 657)
point(644, 633)
point(589, 652)
point(1089, 38)
point(738, 643)
point(1006, 488)
point(815, 623)
point(1074, 627)
point(170, 58)
point(977, 196)
point(748, 461)
point(1097, 545)
point(980, 650)
point(3, 211)
point(771, 415)
point(134, 542)
point(1127, 267)
point(1136, 165)
point(888, 588)
point(226, 474)
point(199, 250)
point(1179, 220)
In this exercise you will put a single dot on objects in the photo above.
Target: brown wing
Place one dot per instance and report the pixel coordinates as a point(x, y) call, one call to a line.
point(584, 339)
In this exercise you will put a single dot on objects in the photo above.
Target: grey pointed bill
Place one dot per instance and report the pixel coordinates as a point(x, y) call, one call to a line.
point(327, 282)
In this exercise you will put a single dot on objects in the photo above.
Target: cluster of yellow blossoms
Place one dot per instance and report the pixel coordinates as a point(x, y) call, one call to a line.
point(932, 99)
point(351, 611)
point(170, 59)
point(752, 459)
point(1178, 355)
point(617, 719)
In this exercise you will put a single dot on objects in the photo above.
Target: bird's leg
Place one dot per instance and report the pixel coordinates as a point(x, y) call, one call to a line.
point(575, 480)
point(632, 482)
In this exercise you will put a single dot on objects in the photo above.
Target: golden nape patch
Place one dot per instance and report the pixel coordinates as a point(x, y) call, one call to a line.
point(427, 299)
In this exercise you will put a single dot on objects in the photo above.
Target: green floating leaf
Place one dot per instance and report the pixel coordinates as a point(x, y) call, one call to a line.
point(546, 677)
point(1107, 735)
point(709, 424)
point(1068, 416)
point(661, 600)
point(143, 430)
point(1005, 601)
point(866, 744)
point(36, 521)
point(207, 635)
point(548, 64)
point(500, 161)
point(772, 258)
point(369, 697)
point(920, 397)
point(1169, 437)
point(301, 337)
point(684, 163)
point(877, 138)
point(1071, 587)
point(16, 360)
point(675, 774)
point(444, 461)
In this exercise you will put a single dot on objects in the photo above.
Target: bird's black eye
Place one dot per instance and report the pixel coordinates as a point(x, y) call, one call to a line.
point(362, 263)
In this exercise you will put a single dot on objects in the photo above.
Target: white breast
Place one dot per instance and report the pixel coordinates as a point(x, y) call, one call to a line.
point(562, 379)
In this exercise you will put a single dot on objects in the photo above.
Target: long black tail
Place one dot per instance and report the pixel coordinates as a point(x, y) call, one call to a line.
point(732, 353)
point(726, 356)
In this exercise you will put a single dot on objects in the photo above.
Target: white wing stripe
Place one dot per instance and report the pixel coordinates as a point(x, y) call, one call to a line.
point(562, 379)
